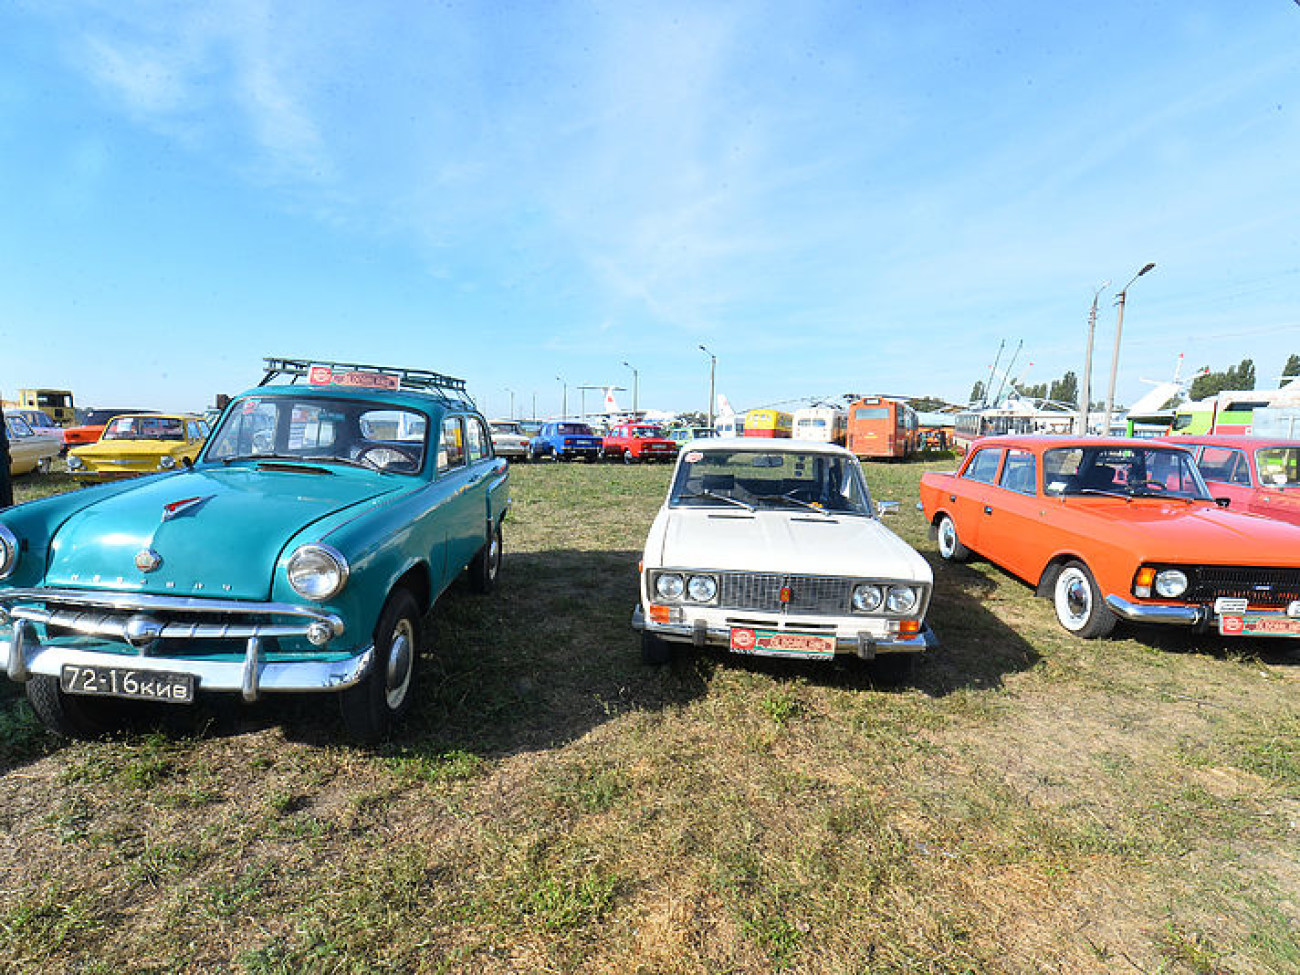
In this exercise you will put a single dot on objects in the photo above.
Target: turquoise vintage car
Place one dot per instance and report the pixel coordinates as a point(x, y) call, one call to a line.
point(300, 552)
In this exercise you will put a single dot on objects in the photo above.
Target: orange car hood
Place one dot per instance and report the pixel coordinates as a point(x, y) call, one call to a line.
point(1176, 531)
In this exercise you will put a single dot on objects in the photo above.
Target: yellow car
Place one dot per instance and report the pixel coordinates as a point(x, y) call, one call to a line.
point(139, 443)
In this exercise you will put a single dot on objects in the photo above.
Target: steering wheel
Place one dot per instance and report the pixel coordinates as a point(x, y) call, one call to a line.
point(1155, 486)
point(387, 459)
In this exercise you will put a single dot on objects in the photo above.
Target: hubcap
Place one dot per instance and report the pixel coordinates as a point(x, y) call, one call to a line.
point(1074, 596)
point(946, 537)
point(397, 677)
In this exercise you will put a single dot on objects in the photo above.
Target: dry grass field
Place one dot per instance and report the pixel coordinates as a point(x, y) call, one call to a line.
point(1024, 803)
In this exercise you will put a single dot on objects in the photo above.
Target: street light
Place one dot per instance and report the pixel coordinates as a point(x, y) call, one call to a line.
point(636, 378)
point(1085, 397)
point(512, 402)
point(1114, 359)
point(564, 407)
point(713, 369)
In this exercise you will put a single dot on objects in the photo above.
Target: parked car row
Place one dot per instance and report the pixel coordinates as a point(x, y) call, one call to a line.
point(302, 545)
point(566, 440)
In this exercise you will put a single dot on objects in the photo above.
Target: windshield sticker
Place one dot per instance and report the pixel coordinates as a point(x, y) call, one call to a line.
point(694, 457)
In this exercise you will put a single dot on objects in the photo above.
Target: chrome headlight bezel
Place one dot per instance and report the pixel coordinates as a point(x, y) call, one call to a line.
point(9, 552)
point(1171, 583)
point(75, 463)
point(317, 572)
point(166, 462)
point(868, 597)
point(692, 588)
point(902, 600)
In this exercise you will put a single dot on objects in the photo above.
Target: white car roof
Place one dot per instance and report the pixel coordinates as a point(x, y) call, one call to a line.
point(770, 445)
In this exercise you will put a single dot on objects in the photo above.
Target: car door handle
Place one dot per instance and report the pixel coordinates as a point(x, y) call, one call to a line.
point(988, 510)
point(952, 498)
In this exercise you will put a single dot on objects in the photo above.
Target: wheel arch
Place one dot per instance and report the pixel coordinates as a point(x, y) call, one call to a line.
point(1047, 578)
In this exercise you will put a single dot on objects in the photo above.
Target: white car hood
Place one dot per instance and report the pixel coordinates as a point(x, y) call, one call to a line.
point(797, 543)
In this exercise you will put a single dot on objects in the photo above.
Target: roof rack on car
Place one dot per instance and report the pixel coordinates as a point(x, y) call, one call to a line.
point(421, 379)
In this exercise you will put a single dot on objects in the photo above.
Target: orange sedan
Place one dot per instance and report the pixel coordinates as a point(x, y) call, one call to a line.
point(1113, 529)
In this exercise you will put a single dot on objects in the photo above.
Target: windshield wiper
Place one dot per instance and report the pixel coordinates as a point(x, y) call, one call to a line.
point(260, 458)
point(711, 496)
point(807, 505)
point(1106, 494)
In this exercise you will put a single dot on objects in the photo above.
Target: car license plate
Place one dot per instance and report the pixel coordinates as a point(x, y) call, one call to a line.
point(779, 643)
point(146, 685)
point(1259, 624)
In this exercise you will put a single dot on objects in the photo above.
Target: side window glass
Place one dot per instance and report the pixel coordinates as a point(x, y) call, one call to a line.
point(1019, 472)
point(983, 466)
point(1216, 464)
point(451, 448)
point(479, 442)
point(1241, 469)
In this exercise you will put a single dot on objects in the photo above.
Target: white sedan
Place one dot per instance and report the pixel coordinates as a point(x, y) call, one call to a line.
point(509, 440)
point(773, 548)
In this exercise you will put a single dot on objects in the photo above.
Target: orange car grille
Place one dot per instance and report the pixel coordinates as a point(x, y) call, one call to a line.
point(1262, 586)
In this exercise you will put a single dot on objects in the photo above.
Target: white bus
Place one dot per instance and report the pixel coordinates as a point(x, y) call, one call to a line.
point(823, 424)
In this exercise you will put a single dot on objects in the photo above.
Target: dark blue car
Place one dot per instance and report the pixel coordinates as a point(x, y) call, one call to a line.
point(565, 440)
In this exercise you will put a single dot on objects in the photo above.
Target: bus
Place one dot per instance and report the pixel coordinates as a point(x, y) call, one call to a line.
point(54, 403)
point(768, 423)
point(882, 427)
point(823, 424)
point(1217, 415)
point(970, 425)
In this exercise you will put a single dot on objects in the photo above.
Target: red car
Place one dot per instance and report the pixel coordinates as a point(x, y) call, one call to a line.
point(1258, 475)
point(639, 442)
point(90, 429)
point(1113, 528)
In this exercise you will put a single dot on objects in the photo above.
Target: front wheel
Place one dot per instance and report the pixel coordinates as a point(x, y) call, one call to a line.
point(486, 566)
point(950, 547)
point(1079, 604)
point(372, 706)
point(628, 458)
point(654, 651)
point(72, 715)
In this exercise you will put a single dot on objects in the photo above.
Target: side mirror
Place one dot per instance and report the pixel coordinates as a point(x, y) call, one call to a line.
point(886, 508)
point(187, 461)
point(1223, 502)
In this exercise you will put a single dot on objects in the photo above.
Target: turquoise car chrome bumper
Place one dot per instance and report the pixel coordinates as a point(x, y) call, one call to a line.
point(136, 623)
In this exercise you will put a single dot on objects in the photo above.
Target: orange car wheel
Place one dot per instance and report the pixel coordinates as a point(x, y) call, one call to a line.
point(1079, 604)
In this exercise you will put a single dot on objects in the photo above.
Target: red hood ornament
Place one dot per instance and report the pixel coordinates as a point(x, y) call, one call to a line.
point(177, 508)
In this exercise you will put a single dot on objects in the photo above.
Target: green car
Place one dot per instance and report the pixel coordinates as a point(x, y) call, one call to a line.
point(300, 552)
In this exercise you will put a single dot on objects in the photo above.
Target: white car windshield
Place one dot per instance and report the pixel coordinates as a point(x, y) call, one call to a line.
point(776, 479)
point(321, 431)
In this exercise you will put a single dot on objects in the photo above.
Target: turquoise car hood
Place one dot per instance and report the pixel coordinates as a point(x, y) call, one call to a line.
point(219, 533)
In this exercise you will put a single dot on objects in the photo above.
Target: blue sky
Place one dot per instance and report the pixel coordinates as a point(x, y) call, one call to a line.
point(831, 197)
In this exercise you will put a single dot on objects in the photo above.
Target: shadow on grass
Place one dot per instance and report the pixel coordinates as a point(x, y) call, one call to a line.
point(1277, 651)
point(551, 654)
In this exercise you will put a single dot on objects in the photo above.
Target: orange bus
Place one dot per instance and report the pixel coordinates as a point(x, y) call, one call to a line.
point(881, 427)
point(768, 423)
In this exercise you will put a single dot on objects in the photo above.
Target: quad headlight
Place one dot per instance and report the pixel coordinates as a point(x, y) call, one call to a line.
point(902, 599)
point(166, 462)
point(1171, 583)
point(867, 598)
point(683, 587)
point(317, 572)
point(8, 552)
point(75, 463)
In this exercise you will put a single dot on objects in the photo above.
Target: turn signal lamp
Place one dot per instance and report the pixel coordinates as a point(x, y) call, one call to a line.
point(909, 627)
point(661, 614)
point(1146, 577)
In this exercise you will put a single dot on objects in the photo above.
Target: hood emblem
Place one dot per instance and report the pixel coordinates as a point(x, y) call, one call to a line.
point(177, 508)
point(146, 560)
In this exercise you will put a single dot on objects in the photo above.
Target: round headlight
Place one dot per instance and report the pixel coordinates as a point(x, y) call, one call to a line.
point(902, 599)
point(867, 599)
point(317, 572)
point(8, 552)
point(702, 589)
point(670, 586)
point(167, 462)
point(75, 463)
point(1171, 583)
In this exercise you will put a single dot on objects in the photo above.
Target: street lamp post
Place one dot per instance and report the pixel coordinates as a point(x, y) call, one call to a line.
point(1114, 359)
point(564, 403)
point(713, 369)
point(512, 402)
point(636, 382)
point(1085, 396)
